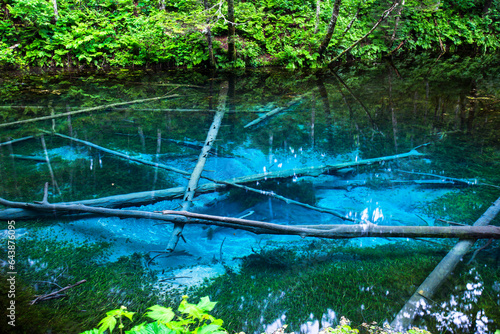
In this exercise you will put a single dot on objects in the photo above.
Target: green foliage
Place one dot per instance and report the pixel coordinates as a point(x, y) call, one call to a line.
point(190, 318)
point(107, 33)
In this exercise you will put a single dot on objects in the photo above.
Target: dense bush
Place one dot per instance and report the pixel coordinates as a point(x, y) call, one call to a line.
point(130, 33)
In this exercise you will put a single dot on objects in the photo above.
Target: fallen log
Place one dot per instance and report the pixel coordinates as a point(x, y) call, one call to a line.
point(106, 106)
point(275, 111)
point(27, 157)
point(10, 142)
point(147, 197)
point(427, 289)
point(200, 165)
point(343, 231)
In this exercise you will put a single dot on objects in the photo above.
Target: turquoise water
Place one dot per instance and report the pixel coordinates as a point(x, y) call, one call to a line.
point(321, 118)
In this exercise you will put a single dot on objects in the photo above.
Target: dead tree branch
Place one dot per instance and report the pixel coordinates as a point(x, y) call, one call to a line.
point(365, 230)
point(200, 165)
point(106, 106)
point(56, 294)
point(145, 197)
point(427, 289)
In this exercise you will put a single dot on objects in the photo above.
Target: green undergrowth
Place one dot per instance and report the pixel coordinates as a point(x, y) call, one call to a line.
point(111, 33)
point(302, 284)
point(44, 266)
point(298, 283)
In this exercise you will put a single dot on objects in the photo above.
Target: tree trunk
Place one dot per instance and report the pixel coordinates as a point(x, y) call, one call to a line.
point(318, 11)
point(231, 46)
point(331, 28)
point(208, 32)
point(396, 24)
point(56, 13)
point(427, 289)
point(329, 231)
point(195, 176)
point(162, 4)
point(382, 18)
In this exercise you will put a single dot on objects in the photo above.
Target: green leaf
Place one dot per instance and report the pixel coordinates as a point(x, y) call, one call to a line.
point(206, 305)
point(107, 323)
point(209, 329)
point(161, 313)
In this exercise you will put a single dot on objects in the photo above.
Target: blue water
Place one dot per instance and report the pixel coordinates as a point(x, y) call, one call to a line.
point(370, 112)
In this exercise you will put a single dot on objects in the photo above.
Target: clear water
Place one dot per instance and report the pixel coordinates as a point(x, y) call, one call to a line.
point(355, 114)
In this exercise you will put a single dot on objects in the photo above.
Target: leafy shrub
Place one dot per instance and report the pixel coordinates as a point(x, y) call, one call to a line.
point(191, 318)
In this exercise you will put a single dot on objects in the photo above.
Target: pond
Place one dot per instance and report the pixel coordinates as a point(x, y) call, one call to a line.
point(286, 147)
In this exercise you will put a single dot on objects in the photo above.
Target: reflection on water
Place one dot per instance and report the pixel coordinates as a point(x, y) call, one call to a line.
point(453, 121)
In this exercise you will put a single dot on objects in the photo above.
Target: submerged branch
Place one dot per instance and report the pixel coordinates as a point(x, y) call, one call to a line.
point(275, 111)
point(365, 230)
point(106, 106)
point(145, 197)
point(427, 289)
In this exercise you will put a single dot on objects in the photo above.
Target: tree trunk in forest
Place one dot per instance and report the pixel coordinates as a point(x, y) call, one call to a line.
point(486, 7)
point(231, 43)
point(208, 32)
point(56, 12)
point(318, 11)
point(162, 4)
point(195, 176)
point(331, 28)
point(396, 24)
point(427, 289)
point(382, 18)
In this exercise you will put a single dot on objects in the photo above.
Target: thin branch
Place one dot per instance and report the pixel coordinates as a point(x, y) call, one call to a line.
point(382, 18)
point(86, 110)
point(56, 293)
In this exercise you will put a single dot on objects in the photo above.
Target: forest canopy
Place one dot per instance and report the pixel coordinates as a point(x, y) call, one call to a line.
point(228, 33)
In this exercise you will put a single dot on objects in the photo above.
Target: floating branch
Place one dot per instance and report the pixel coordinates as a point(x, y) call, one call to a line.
point(16, 140)
point(106, 106)
point(450, 179)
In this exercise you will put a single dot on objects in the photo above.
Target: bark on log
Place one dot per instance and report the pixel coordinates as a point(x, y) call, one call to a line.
point(85, 110)
point(146, 197)
point(200, 165)
point(10, 142)
point(427, 289)
point(275, 111)
point(319, 231)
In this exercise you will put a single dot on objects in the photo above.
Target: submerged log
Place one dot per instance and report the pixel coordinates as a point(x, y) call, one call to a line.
point(200, 165)
point(343, 231)
point(275, 111)
point(427, 289)
point(147, 197)
point(106, 106)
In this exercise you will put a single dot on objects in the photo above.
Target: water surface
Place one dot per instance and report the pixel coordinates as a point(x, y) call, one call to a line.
point(322, 118)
